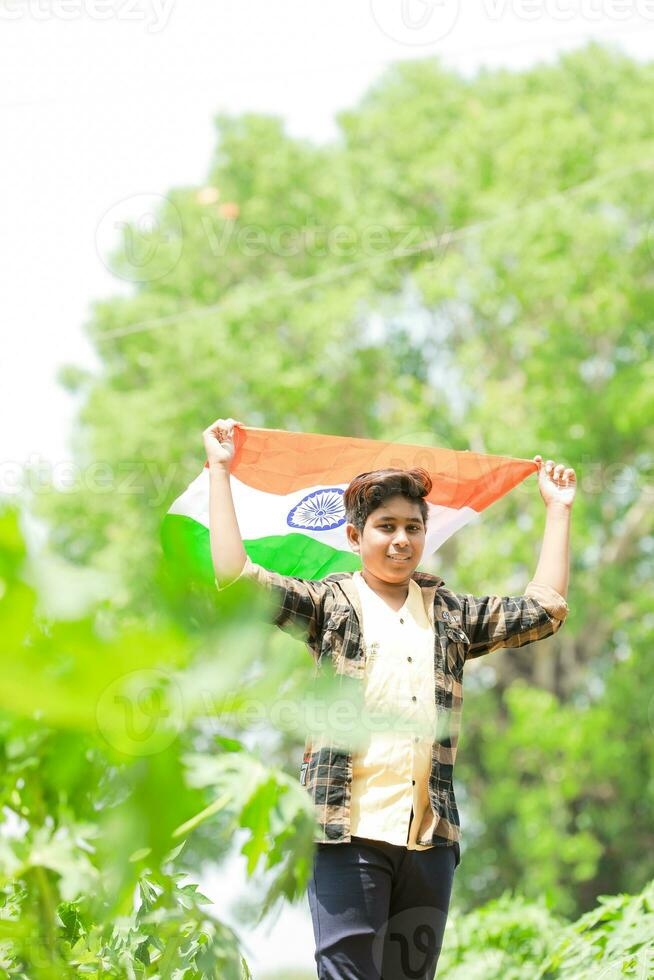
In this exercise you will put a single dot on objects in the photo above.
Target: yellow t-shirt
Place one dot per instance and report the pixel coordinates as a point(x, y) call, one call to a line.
point(390, 771)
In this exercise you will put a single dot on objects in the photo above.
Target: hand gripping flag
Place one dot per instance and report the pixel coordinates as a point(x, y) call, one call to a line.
point(288, 494)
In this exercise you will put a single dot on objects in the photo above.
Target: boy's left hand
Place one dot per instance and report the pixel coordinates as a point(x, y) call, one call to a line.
point(557, 484)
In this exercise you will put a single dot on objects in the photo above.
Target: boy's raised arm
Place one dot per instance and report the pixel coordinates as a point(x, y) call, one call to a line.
point(300, 601)
point(557, 487)
point(227, 551)
point(494, 622)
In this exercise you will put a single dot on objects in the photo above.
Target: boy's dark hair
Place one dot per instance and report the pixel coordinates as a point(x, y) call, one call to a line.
point(368, 491)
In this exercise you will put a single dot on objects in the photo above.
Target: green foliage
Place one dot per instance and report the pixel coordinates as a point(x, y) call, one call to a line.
point(509, 939)
point(506, 939)
point(468, 265)
point(562, 787)
point(105, 795)
point(616, 939)
point(82, 832)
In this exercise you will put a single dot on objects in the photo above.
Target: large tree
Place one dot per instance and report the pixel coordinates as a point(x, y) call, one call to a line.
point(469, 264)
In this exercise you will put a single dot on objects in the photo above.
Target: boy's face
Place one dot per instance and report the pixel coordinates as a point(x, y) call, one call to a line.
point(393, 540)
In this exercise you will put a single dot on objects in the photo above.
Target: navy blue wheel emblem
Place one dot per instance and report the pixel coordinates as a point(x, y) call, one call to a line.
point(320, 510)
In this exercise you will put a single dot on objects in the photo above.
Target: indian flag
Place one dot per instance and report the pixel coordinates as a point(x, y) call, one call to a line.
point(288, 494)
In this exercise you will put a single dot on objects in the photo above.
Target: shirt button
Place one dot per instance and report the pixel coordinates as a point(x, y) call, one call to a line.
point(416, 739)
point(410, 659)
point(414, 698)
point(401, 620)
point(413, 782)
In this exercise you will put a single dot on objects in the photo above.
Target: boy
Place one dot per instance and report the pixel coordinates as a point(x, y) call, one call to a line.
point(379, 901)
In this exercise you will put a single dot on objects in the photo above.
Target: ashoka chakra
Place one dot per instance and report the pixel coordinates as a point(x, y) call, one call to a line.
point(320, 510)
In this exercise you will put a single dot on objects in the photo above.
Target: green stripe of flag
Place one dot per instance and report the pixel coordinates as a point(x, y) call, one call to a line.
point(186, 545)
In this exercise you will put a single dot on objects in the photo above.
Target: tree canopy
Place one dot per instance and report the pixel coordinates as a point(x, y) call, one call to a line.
point(468, 265)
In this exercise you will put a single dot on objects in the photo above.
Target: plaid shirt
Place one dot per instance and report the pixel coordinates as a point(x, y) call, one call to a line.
point(326, 614)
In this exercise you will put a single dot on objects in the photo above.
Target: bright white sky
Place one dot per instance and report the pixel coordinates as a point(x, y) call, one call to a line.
point(107, 100)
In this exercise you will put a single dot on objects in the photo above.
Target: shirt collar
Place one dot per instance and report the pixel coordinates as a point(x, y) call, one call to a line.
point(428, 584)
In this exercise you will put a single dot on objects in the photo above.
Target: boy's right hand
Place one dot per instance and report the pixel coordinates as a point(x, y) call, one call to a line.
point(219, 442)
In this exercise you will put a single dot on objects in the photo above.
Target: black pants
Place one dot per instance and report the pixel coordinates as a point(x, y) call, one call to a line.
point(379, 910)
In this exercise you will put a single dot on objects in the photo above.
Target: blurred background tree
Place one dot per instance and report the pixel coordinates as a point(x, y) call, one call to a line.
point(469, 265)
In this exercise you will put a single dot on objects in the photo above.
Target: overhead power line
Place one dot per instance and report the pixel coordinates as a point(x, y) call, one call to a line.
point(330, 275)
